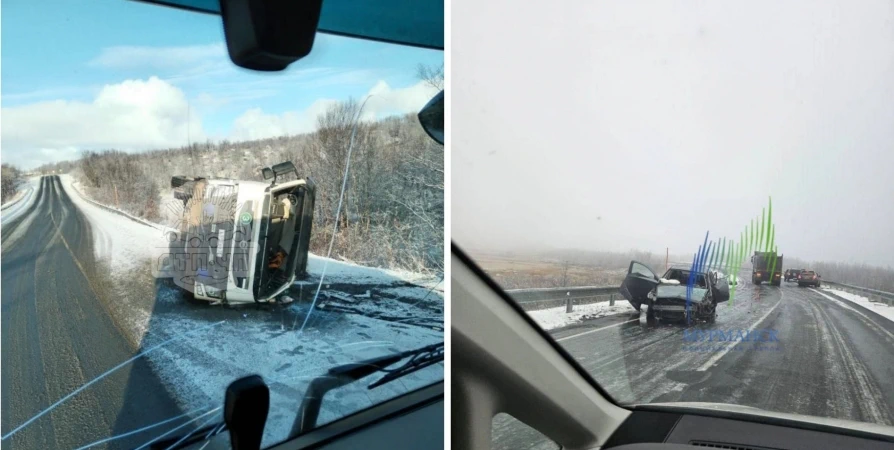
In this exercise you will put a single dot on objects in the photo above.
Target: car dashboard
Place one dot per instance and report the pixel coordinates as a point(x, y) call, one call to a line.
point(659, 430)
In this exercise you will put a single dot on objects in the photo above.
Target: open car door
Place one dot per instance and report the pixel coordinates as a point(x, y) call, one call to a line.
point(719, 287)
point(640, 280)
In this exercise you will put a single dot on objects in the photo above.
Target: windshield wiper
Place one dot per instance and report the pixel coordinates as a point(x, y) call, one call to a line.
point(335, 377)
point(342, 375)
point(419, 359)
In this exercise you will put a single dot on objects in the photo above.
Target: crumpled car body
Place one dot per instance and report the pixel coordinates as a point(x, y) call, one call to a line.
point(678, 295)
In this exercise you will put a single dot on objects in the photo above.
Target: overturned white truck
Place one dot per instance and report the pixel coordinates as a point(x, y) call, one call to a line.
point(239, 241)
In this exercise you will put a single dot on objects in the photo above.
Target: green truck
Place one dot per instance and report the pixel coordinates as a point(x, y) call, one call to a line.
point(763, 268)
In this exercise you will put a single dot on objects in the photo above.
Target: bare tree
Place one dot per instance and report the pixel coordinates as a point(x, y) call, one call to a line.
point(431, 75)
point(11, 177)
point(393, 215)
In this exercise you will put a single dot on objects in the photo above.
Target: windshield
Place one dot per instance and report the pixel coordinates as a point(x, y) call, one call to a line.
point(148, 262)
point(560, 165)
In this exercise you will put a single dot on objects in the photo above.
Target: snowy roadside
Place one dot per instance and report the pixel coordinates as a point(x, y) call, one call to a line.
point(154, 244)
point(362, 313)
point(14, 207)
point(19, 194)
point(552, 318)
point(125, 244)
point(877, 307)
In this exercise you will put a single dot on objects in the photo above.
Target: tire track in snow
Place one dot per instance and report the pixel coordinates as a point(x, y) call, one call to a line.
point(856, 377)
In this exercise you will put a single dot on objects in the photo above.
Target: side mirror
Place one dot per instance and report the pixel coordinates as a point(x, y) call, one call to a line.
point(268, 35)
point(431, 117)
point(267, 173)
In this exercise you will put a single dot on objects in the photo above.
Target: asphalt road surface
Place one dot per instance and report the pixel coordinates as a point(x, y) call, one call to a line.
point(831, 359)
point(57, 336)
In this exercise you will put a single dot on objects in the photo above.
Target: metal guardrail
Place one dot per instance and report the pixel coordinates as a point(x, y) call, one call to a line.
point(534, 299)
point(871, 294)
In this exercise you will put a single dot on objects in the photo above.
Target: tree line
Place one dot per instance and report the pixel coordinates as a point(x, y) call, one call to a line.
point(393, 210)
point(10, 179)
point(571, 267)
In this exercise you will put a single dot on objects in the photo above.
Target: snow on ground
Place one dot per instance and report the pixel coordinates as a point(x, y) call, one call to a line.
point(20, 203)
point(348, 327)
point(18, 196)
point(199, 369)
point(551, 318)
point(880, 308)
point(337, 271)
point(126, 244)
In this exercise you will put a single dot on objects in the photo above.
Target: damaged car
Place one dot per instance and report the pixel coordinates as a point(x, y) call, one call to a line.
point(237, 241)
point(665, 298)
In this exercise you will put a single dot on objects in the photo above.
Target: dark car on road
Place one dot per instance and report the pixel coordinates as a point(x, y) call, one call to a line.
point(809, 278)
point(792, 274)
point(665, 298)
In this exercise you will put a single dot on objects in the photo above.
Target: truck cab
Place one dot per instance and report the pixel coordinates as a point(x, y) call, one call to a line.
point(766, 267)
point(241, 241)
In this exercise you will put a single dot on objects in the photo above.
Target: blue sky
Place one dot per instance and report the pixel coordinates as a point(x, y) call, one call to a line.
point(80, 74)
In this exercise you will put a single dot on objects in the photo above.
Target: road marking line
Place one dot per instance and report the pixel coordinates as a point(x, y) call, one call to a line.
point(719, 355)
point(593, 331)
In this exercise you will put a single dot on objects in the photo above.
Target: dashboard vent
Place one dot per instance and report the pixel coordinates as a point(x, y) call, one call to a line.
point(727, 446)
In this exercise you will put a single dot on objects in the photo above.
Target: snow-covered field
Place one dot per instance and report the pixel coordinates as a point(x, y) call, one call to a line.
point(551, 318)
point(361, 313)
point(880, 308)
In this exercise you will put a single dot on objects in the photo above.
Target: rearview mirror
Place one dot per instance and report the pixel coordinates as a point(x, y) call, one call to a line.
point(431, 117)
point(268, 35)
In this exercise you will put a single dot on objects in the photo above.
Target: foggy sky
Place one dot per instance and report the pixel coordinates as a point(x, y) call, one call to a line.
point(618, 125)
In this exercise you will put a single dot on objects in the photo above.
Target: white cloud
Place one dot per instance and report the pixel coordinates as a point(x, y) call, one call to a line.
point(255, 124)
point(384, 101)
point(131, 115)
point(137, 115)
point(138, 57)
